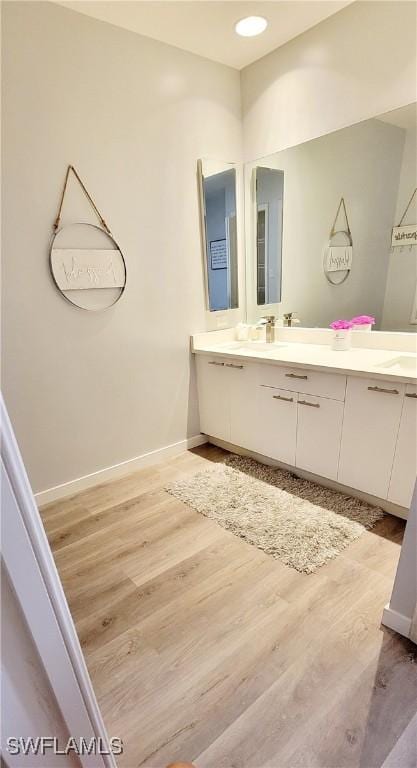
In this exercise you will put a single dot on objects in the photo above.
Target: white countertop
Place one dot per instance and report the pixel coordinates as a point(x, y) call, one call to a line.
point(358, 360)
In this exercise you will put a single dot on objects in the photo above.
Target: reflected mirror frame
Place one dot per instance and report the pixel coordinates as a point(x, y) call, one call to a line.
point(203, 238)
point(203, 235)
point(257, 208)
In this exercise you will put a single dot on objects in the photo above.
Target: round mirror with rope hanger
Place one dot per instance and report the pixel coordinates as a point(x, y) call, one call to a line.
point(87, 264)
point(337, 261)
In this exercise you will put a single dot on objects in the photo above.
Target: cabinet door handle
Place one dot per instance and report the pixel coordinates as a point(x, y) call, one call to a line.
point(214, 362)
point(312, 405)
point(280, 397)
point(386, 391)
point(232, 365)
point(411, 394)
point(295, 376)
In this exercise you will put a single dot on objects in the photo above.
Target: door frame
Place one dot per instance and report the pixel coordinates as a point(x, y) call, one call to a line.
point(43, 603)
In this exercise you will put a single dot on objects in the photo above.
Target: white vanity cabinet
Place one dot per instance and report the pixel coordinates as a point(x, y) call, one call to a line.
point(403, 474)
point(300, 430)
point(357, 431)
point(370, 428)
point(277, 424)
point(227, 399)
point(300, 417)
point(213, 397)
point(319, 431)
point(242, 381)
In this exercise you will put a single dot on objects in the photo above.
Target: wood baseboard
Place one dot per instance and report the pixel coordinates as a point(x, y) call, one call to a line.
point(117, 470)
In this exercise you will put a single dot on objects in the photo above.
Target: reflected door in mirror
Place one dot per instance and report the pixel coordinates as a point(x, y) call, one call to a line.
point(269, 206)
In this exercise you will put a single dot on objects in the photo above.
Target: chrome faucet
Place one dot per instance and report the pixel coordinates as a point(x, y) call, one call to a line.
point(269, 322)
point(289, 319)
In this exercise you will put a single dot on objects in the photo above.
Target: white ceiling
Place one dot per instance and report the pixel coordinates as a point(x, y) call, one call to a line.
point(207, 27)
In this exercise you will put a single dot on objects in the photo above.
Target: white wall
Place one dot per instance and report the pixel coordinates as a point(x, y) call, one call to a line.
point(361, 164)
point(402, 269)
point(354, 65)
point(86, 391)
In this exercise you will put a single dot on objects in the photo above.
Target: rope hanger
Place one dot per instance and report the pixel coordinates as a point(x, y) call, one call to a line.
point(408, 205)
point(88, 196)
point(333, 230)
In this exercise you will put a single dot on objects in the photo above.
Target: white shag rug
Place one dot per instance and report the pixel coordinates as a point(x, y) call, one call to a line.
point(296, 521)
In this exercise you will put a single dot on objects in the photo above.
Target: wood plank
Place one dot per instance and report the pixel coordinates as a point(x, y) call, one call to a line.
point(203, 648)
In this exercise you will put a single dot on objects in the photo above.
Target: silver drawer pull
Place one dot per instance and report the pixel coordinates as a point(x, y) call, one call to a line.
point(411, 394)
point(386, 391)
point(214, 362)
point(280, 397)
point(312, 405)
point(232, 365)
point(295, 376)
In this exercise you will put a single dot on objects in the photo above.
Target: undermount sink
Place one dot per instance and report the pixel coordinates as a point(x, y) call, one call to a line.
point(253, 346)
point(400, 364)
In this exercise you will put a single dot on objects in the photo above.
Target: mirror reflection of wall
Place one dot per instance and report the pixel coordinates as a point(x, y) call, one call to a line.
point(218, 200)
point(269, 186)
point(373, 166)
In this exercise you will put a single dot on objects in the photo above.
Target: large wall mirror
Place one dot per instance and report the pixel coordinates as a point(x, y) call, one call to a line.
point(331, 226)
point(218, 205)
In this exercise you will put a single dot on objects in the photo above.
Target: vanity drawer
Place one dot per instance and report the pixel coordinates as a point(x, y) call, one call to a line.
point(306, 381)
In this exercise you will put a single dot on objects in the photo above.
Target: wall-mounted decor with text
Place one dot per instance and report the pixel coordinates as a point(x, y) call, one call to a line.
point(87, 265)
point(338, 255)
point(405, 235)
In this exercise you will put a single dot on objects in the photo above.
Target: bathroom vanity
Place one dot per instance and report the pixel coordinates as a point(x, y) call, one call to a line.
point(345, 417)
point(327, 233)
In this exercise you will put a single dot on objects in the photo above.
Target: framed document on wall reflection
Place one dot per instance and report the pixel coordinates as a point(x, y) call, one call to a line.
point(218, 254)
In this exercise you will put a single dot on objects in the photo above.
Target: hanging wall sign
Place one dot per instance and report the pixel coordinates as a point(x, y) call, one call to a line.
point(77, 269)
point(86, 263)
point(338, 256)
point(405, 235)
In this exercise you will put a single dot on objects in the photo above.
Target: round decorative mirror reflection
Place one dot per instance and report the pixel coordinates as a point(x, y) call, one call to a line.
point(87, 266)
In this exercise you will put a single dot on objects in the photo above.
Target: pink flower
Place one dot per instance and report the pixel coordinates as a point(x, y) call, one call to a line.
point(363, 320)
point(341, 325)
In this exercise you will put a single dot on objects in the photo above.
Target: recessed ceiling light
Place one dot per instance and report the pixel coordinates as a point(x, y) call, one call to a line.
point(251, 26)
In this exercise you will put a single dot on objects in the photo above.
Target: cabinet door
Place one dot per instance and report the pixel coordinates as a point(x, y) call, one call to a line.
point(277, 424)
point(213, 397)
point(319, 431)
point(369, 434)
point(242, 386)
point(405, 460)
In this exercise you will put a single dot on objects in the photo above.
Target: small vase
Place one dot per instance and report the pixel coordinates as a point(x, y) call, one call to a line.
point(341, 340)
point(362, 327)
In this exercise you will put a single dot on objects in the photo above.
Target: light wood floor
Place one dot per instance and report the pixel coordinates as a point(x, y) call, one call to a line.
point(202, 648)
